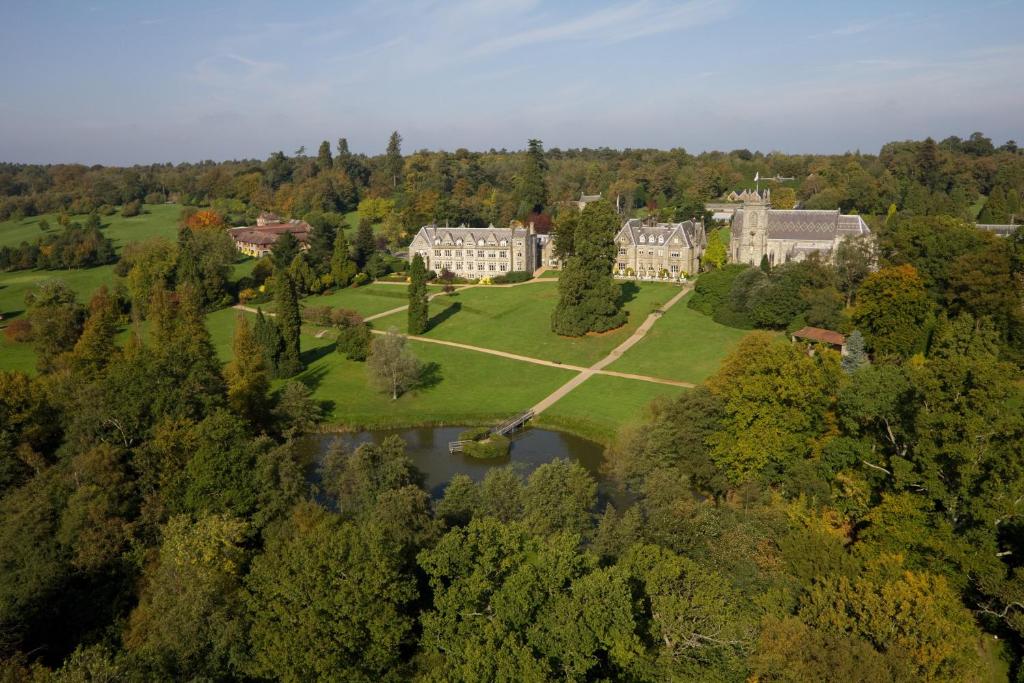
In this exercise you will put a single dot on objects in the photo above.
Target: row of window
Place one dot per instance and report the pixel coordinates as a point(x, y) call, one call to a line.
point(641, 252)
point(481, 243)
point(623, 266)
point(469, 252)
point(493, 267)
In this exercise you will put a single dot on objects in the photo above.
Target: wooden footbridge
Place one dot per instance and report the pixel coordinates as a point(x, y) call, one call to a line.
point(509, 425)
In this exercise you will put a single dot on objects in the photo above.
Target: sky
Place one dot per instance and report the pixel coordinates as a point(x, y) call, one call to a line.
point(124, 82)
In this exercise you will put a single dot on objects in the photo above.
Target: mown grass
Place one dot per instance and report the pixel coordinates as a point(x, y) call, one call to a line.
point(367, 300)
point(518, 320)
point(683, 345)
point(600, 407)
point(462, 387)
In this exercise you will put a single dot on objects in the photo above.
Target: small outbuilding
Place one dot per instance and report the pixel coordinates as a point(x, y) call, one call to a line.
point(817, 335)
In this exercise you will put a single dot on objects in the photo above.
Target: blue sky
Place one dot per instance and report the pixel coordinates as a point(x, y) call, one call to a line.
point(99, 81)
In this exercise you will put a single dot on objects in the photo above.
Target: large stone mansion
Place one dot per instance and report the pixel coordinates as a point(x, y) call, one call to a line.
point(659, 250)
point(787, 235)
point(477, 252)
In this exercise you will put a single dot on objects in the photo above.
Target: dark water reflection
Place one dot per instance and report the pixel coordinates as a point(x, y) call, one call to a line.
point(428, 449)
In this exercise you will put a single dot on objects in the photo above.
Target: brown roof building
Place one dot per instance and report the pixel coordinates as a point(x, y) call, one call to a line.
point(817, 335)
point(257, 240)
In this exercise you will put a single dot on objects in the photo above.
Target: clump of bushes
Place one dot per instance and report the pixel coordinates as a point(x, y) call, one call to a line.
point(512, 277)
point(19, 330)
point(484, 445)
point(132, 208)
point(353, 335)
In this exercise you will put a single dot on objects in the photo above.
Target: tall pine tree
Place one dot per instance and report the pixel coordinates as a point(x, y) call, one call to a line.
point(393, 159)
point(532, 190)
point(588, 297)
point(289, 322)
point(324, 162)
point(247, 377)
point(418, 303)
point(321, 244)
point(343, 268)
point(365, 243)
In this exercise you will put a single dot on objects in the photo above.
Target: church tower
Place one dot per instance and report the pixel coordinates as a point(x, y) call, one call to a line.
point(754, 240)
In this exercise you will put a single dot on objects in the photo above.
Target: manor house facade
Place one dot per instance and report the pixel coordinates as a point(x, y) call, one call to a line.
point(760, 231)
point(659, 250)
point(477, 252)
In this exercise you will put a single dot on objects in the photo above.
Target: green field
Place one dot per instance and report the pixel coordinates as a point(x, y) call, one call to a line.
point(465, 387)
point(602, 405)
point(683, 345)
point(367, 300)
point(518, 320)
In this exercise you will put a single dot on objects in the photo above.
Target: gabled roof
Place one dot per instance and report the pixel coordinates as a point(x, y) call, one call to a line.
point(690, 233)
point(491, 235)
point(799, 224)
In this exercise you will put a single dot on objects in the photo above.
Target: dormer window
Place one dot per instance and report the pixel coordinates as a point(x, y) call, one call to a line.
point(643, 239)
point(480, 243)
point(458, 242)
point(504, 243)
point(661, 239)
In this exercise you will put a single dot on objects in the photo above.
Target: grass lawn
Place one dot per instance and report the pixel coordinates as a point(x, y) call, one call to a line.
point(158, 219)
point(518, 320)
point(602, 405)
point(465, 387)
point(366, 300)
point(683, 345)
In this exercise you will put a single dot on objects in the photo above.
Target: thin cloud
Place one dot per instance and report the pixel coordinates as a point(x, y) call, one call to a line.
point(616, 24)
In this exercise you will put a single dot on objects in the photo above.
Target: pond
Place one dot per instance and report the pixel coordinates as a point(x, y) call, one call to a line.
point(428, 449)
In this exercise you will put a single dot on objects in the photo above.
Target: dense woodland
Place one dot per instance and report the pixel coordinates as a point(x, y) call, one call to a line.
point(797, 518)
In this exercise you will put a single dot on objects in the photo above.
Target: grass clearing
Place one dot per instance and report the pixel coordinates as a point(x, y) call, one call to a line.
point(464, 387)
point(602, 405)
point(683, 345)
point(518, 320)
point(367, 300)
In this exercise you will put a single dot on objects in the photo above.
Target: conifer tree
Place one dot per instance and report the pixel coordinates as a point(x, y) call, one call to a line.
point(247, 377)
point(343, 268)
point(321, 244)
point(856, 357)
point(393, 159)
point(96, 347)
point(284, 250)
point(268, 339)
point(365, 243)
point(186, 267)
point(324, 162)
point(418, 302)
point(289, 322)
point(532, 190)
point(588, 297)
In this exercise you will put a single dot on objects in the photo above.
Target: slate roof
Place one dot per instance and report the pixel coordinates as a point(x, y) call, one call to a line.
point(799, 224)
point(491, 235)
point(587, 198)
point(691, 233)
point(1001, 229)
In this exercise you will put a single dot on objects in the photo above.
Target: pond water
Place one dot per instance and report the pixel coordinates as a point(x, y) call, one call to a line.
point(428, 449)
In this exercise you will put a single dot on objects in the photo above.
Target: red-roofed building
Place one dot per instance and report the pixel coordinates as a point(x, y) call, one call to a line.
point(257, 240)
point(817, 335)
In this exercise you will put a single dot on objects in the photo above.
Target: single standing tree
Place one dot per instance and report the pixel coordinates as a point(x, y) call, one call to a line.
point(393, 369)
point(893, 310)
point(856, 357)
point(365, 243)
point(268, 338)
point(96, 347)
point(56, 318)
point(716, 254)
point(324, 162)
point(321, 244)
point(393, 158)
point(289, 321)
point(343, 268)
point(855, 257)
point(283, 252)
point(588, 297)
point(418, 303)
point(247, 377)
point(532, 190)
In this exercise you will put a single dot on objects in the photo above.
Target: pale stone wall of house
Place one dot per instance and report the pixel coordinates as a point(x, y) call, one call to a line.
point(511, 251)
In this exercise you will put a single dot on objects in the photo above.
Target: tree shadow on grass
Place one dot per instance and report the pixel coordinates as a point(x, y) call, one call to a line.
point(450, 310)
point(628, 292)
point(430, 376)
point(310, 356)
point(312, 377)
